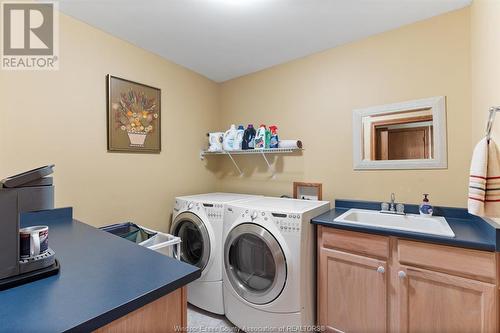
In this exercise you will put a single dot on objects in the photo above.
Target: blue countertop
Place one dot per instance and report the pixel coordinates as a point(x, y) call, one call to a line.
point(470, 231)
point(103, 277)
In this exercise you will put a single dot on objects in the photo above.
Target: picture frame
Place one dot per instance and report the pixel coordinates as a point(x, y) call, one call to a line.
point(308, 191)
point(133, 116)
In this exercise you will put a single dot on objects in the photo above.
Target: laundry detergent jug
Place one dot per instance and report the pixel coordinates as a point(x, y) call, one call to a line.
point(248, 138)
point(260, 137)
point(238, 140)
point(229, 138)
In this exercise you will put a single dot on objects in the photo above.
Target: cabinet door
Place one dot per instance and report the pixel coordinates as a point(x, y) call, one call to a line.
point(438, 302)
point(352, 292)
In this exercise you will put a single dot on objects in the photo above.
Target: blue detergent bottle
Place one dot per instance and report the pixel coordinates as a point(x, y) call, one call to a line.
point(274, 142)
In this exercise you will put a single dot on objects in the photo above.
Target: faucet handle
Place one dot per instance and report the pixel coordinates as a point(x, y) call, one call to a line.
point(384, 206)
point(400, 208)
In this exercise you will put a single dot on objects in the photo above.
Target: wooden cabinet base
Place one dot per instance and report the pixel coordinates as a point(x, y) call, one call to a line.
point(353, 295)
point(371, 283)
point(166, 314)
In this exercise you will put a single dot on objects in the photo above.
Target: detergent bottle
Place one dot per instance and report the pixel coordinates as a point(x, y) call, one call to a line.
point(248, 138)
point(229, 138)
point(238, 140)
point(268, 138)
point(260, 137)
point(274, 141)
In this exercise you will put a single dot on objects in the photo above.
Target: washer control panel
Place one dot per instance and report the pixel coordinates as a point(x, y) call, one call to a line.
point(214, 212)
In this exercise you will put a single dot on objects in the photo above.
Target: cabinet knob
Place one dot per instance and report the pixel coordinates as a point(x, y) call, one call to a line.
point(401, 274)
point(380, 269)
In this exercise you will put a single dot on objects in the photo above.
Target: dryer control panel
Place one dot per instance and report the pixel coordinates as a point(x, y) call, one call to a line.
point(285, 222)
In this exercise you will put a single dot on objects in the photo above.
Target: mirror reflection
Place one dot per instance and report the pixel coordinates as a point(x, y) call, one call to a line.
point(398, 136)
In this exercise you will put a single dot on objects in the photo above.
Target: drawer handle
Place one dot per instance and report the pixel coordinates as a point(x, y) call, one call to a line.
point(401, 274)
point(381, 269)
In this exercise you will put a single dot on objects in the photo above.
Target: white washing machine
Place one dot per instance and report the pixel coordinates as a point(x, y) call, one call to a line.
point(198, 221)
point(269, 263)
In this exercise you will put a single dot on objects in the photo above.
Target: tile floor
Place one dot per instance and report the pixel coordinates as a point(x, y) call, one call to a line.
point(202, 321)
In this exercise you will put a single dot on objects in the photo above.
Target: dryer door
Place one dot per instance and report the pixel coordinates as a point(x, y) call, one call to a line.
point(255, 263)
point(195, 242)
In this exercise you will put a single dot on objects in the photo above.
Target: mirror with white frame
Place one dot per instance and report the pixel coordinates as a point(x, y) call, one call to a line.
point(408, 135)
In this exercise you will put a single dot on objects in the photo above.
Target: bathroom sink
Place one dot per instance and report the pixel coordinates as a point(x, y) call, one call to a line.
point(433, 225)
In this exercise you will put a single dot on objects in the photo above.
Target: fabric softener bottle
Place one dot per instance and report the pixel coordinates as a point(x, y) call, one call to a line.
point(248, 138)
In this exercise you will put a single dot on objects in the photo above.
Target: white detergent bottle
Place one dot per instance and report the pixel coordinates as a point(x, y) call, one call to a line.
point(238, 141)
point(260, 137)
point(229, 138)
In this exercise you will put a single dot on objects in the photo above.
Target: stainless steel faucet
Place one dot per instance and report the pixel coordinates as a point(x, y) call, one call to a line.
point(393, 207)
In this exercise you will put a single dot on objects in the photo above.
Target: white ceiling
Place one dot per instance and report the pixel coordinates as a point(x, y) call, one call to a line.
point(224, 39)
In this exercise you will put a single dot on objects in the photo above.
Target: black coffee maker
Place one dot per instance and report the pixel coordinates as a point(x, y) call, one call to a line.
point(26, 192)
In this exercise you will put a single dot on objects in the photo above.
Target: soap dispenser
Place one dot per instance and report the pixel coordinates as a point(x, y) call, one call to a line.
point(425, 208)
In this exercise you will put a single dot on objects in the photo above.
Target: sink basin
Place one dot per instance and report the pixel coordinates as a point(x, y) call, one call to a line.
point(433, 225)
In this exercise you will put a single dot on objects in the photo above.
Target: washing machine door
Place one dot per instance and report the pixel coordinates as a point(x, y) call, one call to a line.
point(255, 263)
point(195, 242)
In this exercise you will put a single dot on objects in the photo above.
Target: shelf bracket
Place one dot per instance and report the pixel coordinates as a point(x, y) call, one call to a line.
point(270, 167)
point(235, 164)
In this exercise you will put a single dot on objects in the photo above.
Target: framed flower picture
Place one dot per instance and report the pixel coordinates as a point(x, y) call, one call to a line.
point(134, 116)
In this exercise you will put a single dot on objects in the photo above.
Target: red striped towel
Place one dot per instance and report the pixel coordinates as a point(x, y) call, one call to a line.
point(484, 180)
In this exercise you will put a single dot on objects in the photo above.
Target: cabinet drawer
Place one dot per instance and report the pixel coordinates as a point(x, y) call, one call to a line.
point(370, 245)
point(475, 264)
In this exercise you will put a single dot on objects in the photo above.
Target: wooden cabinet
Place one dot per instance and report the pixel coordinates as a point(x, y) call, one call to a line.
point(370, 283)
point(354, 292)
point(166, 314)
point(436, 302)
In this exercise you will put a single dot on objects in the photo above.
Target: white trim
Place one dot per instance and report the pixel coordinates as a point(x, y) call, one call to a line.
point(440, 160)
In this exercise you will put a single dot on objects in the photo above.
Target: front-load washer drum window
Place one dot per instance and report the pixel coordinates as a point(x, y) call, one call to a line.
point(255, 263)
point(252, 262)
point(195, 242)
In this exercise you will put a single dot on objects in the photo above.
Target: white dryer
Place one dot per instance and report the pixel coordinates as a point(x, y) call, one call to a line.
point(198, 221)
point(269, 265)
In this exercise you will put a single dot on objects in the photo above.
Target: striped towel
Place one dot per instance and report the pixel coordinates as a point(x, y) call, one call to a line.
point(484, 181)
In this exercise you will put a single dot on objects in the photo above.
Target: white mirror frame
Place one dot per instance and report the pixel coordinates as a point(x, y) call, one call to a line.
point(440, 160)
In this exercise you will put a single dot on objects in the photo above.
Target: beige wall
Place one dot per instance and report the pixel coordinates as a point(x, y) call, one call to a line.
point(485, 56)
point(313, 98)
point(60, 117)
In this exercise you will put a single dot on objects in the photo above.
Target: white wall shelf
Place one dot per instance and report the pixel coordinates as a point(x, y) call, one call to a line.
point(262, 152)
